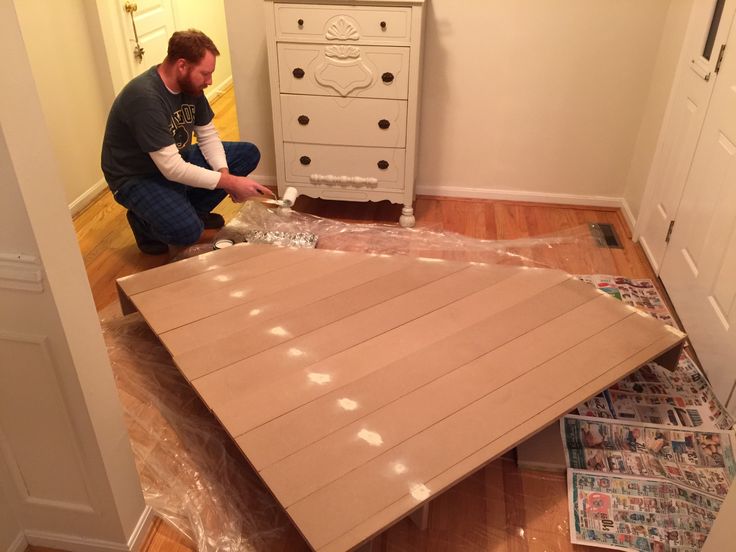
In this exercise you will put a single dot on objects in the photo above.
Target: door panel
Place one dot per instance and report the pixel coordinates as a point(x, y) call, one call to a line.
point(154, 23)
point(683, 122)
point(699, 268)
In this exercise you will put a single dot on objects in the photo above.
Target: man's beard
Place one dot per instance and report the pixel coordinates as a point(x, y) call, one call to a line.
point(186, 86)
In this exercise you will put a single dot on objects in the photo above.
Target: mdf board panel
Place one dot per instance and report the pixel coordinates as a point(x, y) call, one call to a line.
point(365, 385)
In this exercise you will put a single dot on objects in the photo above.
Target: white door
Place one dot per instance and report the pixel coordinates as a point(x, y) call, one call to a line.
point(699, 268)
point(148, 25)
point(707, 32)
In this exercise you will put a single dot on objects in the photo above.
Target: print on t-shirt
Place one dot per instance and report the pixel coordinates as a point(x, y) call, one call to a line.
point(181, 117)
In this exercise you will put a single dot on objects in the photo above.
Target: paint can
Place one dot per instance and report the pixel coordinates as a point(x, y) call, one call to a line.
point(222, 244)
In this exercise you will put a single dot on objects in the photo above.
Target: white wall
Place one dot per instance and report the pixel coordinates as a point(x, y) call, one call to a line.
point(662, 80)
point(539, 96)
point(245, 26)
point(66, 466)
point(208, 17)
point(73, 95)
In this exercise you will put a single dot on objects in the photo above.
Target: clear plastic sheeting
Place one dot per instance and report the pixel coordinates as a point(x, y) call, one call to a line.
point(192, 474)
point(259, 219)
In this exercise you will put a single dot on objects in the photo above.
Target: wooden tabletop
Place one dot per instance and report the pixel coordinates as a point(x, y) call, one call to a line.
point(361, 386)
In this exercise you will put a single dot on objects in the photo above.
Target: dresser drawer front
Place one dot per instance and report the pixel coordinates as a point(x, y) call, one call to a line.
point(350, 24)
point(344, 167)
point(344, 70)
point(343, 121)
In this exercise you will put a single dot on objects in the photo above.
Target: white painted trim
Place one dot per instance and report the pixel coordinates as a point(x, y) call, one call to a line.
point(73, 543)
point(223, 87)
point(140, 532)
point(629, 218)
point(87, 197)
point(648, 252)
point(519, 195)
point(19, 544)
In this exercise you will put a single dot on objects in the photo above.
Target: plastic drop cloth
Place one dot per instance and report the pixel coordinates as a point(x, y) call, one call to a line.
point(195, 478)
point(292, 228)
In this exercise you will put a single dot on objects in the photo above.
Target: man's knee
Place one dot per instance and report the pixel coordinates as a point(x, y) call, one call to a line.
point(183, 233)
point(243, 158)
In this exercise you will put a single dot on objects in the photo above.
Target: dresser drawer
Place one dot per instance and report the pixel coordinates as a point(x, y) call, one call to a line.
point(343, 121)
point(344, 70)
point(344, 167)
point(320, 23)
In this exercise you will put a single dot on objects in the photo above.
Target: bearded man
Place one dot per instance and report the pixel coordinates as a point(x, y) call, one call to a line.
point(168, 185)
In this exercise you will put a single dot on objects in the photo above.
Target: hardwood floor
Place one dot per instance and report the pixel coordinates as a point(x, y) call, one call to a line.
point(499, 507)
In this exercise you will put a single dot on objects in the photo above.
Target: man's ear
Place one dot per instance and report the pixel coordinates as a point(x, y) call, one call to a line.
point(181, 65)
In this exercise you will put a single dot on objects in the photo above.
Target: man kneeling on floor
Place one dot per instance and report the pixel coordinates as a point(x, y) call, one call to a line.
point(168, 185)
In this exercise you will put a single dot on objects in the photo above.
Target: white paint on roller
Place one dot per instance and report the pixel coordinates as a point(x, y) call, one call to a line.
point(289, 197)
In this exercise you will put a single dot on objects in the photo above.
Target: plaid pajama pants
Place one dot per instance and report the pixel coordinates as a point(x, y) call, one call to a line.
point(170, 210)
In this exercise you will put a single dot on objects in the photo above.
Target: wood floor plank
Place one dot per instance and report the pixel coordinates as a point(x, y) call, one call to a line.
point(238, 287)
point(266, 307)
point(179, 272)
point(288, 434)
point(243, 390)
point(298, 322)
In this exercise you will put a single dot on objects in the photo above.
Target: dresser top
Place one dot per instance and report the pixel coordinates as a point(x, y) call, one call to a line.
point(354, 2)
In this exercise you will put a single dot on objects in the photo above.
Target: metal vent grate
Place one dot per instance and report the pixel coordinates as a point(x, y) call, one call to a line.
point(604, 235)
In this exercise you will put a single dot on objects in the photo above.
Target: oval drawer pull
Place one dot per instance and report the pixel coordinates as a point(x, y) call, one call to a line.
point(383, 25)
point(332, 179)
point(298, 73)
point(383, 164)
point(387, 77)
point(300, 22)
point(304, 160)
point(384, 124)
point(303, 120)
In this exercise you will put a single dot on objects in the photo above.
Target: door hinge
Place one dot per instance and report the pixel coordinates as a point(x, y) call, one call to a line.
point(720, 58)
point(669, 232)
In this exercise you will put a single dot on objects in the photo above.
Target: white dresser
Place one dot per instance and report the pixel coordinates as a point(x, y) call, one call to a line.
point(345, 96)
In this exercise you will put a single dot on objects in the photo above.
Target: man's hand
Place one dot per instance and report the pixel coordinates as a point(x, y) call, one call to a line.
point(241, 188)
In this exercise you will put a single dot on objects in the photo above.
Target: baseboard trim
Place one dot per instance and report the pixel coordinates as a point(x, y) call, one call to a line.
point(520, 195)
point(221, 88)
point(19, 544)
point(142, 529)
point(73, 543)
point(511, 195)
point(87, 197)
point(629, 218)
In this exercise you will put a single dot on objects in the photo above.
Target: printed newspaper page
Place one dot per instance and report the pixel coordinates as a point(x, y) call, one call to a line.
point(699, 460)
point(635, 513)
point(655, 395)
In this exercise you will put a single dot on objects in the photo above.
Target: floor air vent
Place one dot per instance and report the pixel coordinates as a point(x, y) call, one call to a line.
point(604, 235)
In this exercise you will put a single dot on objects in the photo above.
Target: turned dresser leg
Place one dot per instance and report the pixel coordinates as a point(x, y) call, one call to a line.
point(407, 219)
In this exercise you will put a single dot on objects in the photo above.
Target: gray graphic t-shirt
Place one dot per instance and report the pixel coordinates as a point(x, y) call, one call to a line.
point(146, 117)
